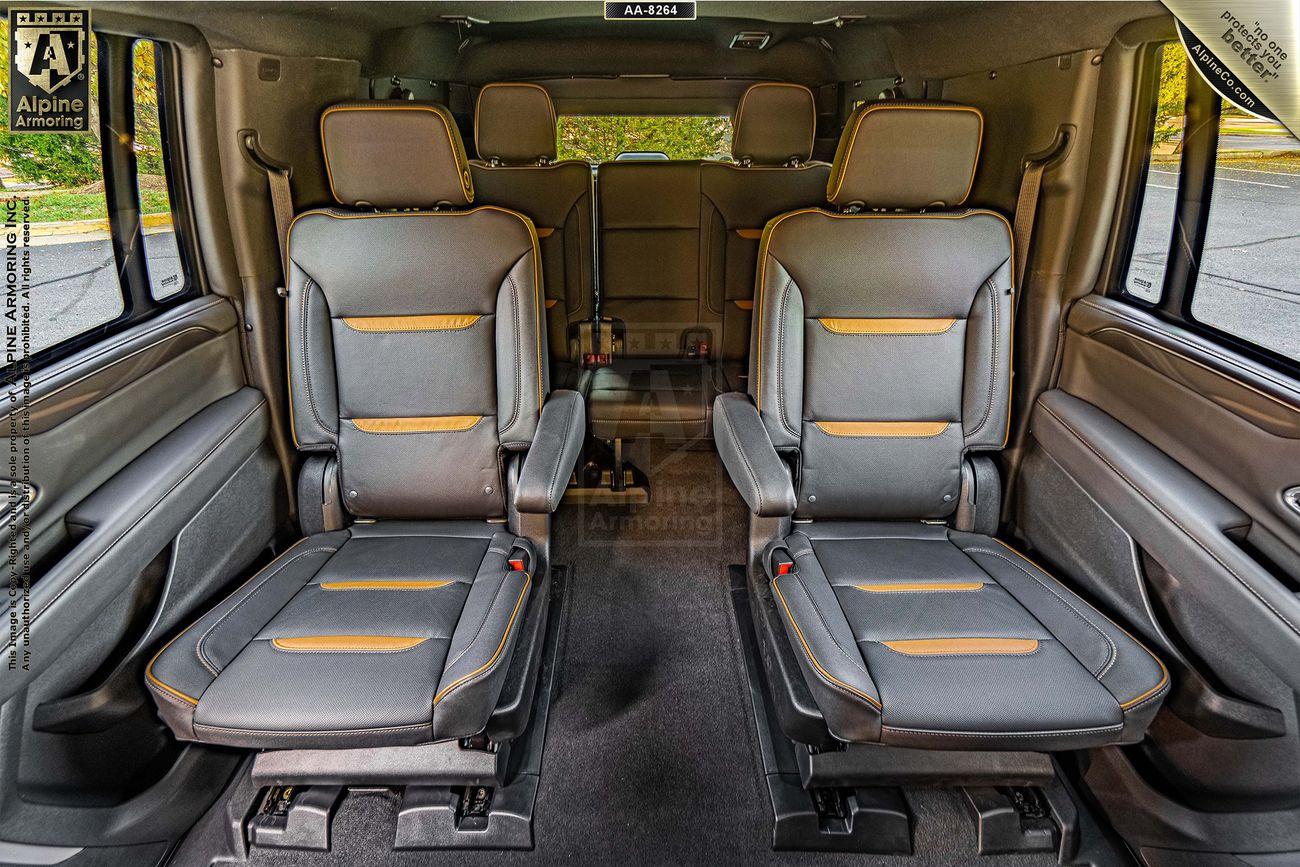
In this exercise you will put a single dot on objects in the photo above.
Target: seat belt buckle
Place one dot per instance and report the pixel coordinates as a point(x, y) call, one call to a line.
point(592, 360)
point(782, 564)
point(519, 560)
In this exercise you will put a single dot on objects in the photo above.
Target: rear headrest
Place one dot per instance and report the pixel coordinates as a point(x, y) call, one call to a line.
point(774, 125)
point(907, 155)
point(514, 123)
point(394, 154)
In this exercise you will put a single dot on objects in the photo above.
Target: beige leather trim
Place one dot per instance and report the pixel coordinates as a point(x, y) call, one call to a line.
point(347, 643)
point(744, 304)
point(922, 587)
point(949, 646)
point(888, 326)
point(390, 584)
point(882, 428)
point(551, 302)
point(545, 232)
point(453, 140)
point(417, 424)
point(751, 234)
point(437, 322)
point(841, 161)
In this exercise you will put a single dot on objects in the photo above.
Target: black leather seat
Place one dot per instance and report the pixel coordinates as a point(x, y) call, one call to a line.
point(417, 360)
point(679, 244)
point(881, 363)
point(515, 137)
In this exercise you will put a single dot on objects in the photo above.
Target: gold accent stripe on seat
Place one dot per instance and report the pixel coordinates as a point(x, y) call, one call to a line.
point(750, 234)
point(948, 646)
point(344, 643)
point(389, 584)
point(417, 424)
point(921, 587)
point(888, 326)
point(882, 428)
point(434, 322)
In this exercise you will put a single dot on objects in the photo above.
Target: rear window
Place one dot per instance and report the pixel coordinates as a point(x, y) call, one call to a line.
point(601, 138)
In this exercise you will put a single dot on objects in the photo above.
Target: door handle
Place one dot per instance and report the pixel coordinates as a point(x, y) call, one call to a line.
point(1291, 496)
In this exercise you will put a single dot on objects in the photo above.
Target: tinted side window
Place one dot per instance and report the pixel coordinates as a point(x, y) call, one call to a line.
point(1159, 191)
point(1248, 279)
point(158, 229)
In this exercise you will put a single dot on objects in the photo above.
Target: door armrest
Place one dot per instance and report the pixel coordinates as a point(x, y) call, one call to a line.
point(747, 451)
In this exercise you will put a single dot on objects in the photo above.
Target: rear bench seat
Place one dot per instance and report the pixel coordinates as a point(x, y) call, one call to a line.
point(679, 242)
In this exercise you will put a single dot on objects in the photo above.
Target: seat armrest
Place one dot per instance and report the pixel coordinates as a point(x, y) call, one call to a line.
point(551, 457)
point(756, 470)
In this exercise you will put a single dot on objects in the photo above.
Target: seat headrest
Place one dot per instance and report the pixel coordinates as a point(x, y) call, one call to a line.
point(907, 155)
point(514, 123)
point(774, 124)
point(394, 154)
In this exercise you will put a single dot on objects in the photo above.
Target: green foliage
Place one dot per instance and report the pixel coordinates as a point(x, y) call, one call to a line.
point(1171, 100)
point(73, 160)
point(63, 159)
point(61, 205)
point(598, 138)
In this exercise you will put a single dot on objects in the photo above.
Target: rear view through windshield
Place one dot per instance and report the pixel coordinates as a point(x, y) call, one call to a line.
point(600, 138)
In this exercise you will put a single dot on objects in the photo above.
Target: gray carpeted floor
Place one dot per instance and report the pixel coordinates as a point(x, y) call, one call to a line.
point(650, 751)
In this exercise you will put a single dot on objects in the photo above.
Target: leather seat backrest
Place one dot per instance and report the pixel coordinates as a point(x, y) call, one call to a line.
point(883, 347)
point(515, 138)
point(650, 255)
point(771, 143)
point(416, 350)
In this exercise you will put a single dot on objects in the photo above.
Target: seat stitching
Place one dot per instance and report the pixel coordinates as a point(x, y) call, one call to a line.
point(304, 307)
point(162, 693)
point(826, 676)
point(780, 354)
point(993, 359)
point(519, 371)
point(491, 665)
point(559, 460)
point(1170, 518)
point(753, 477)
point(302, 732)
point(817, 610)
point(1039, 733)
point(1114, 651)
point(199, 649)
point(487, 610)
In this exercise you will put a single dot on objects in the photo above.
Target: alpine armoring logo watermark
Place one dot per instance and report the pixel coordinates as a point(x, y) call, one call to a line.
point(49, 74)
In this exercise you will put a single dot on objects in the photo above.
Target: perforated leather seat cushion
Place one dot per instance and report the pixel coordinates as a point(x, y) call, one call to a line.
point(917, 635)
point(383, 634)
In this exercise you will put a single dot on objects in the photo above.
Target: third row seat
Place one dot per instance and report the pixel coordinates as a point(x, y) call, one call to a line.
point(678, 243)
